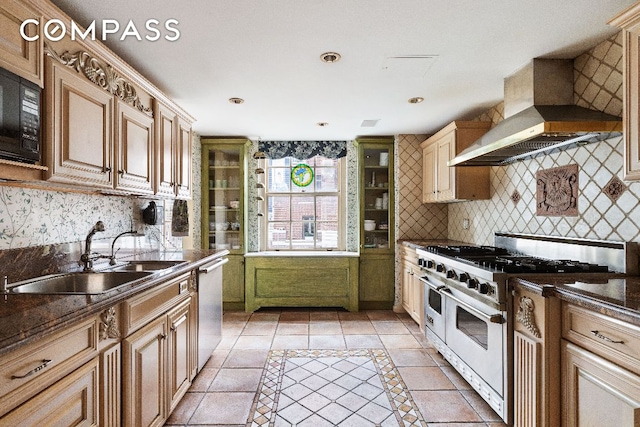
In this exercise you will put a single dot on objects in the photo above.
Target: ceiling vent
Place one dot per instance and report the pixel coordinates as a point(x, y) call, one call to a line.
point(369, 123)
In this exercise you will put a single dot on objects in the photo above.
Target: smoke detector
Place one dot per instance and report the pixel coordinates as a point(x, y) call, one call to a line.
point(330, 57)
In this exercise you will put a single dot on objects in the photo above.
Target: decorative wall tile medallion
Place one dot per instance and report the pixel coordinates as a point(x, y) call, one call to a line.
point(614, 188)
point(557, 191)
point(515, 197)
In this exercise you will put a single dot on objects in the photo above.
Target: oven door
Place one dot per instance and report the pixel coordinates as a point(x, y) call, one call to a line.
point(434, 307)
point(477, 335)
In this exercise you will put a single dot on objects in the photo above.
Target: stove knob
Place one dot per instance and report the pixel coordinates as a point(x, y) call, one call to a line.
point(440, 268)
point(421, 262)
point(483, 288)
point(463, 277)
point(472, 283)
point(451, 274)
point(429, 263)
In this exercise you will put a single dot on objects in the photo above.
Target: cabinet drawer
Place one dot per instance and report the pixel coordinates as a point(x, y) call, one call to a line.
point(610, 338)
point(145, 307)
point(29, 370)
point(72, 401)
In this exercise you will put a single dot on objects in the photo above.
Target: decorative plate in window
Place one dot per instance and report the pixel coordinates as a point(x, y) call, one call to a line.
point(302, 175)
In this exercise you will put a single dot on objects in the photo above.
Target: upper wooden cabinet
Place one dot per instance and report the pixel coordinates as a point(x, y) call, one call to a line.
point(16, 54)
point(441, 183)
point(629, 21)
point(134, 150)
point(79, 126)
point(173, 141)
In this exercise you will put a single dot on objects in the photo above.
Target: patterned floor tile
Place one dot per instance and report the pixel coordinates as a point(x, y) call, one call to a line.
point(359, 387)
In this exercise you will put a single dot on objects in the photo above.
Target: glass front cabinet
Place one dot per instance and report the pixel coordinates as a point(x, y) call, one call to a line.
point(377, 206)
point(223, 210)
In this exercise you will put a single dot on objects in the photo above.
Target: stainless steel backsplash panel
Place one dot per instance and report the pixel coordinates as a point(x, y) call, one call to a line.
point(620, 257)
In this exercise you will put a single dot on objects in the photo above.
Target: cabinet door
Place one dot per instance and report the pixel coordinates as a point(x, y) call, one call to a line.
point(16, 54)
point(134, 132)
point(417, 297)
point(598, 392)
point(377, 281)
point(144, 376)
point(179, 352)
point(79, 118)
point(233, 282)
point(166, 145)
point(445, 180)
point(429, 163)
point(72, 401)
point(183, 160)
point(407, 292)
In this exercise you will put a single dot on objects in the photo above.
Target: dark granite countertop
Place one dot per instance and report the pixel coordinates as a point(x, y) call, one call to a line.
point(25, 318)
point(614, 295)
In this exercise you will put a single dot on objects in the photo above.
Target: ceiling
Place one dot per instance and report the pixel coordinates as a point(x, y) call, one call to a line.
point(454, 54)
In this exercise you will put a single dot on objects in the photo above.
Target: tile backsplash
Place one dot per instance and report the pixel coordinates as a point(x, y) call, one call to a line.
point(512, 207)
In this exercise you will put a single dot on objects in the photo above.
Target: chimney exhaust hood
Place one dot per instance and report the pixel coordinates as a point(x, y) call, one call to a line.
point(540, 116)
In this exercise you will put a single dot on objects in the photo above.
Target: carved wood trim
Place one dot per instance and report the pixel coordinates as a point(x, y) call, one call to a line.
point(526, 316)
point(104, 76)
point(109, 324)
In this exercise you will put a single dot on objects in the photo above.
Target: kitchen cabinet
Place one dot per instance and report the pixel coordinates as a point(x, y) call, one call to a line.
point(377, 219)
point(17, 55)
point(27, 372)
point(134, 150)
point(71, 401)
point(173, 161)
point(223, 208)
point(536, 358)
point(157, 351)
point(600, 369)
point(412, 287)
point(441, 183)
point(629, 22)
point(79, 126)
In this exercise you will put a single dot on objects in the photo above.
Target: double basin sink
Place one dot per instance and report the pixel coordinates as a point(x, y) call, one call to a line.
point(89, 283)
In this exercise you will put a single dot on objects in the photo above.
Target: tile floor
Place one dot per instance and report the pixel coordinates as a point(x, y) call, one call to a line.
point(223, 393)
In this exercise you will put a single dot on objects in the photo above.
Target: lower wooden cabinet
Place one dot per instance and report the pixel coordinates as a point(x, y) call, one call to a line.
point(158, 366)
point(600, 369)
point(412, 287)
point(233, 283)
point(72, 401)
point(377, 281)
point(597, 391)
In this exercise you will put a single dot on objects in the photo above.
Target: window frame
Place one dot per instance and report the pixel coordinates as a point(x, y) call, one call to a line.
point(341, 194)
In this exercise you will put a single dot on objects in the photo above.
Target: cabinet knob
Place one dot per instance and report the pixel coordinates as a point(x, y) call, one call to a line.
point(162, 336)
point(106, 170)
point(121, 172)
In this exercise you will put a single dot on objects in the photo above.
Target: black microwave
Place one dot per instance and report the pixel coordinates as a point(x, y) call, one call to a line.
point(19, 118)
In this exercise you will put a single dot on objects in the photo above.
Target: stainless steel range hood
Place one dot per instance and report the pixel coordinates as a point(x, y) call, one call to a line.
point(540, 117)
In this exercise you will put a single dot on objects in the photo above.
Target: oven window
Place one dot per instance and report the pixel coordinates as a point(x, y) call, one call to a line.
point(435, 301)
point(471, 326)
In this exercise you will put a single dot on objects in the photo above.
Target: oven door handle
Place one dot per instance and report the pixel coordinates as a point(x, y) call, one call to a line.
point(492, 318)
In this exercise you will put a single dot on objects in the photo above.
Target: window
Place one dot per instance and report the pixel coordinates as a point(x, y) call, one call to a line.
point(304, 211)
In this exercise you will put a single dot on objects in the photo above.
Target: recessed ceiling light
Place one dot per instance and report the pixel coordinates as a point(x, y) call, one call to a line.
point(416, 100)
point(322, 124)
point(330, 57)
point(236, 100)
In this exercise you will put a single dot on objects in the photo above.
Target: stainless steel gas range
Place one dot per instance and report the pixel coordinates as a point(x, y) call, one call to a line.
point(467, 302)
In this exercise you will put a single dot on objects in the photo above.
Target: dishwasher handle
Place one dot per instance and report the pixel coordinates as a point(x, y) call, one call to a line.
point(210, 267)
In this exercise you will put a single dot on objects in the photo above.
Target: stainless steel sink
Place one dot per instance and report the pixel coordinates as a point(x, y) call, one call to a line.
point(79, 283)
point(151, 266)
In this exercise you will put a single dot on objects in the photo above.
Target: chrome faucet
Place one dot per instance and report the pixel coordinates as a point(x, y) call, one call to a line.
point(87, 257)
point(112, 257)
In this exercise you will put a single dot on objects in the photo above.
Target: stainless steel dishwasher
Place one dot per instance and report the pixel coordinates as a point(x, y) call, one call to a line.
point(209, 309)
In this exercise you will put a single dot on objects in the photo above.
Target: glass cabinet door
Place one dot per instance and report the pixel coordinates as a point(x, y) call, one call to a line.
point(223, 198)
point(377, 196)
